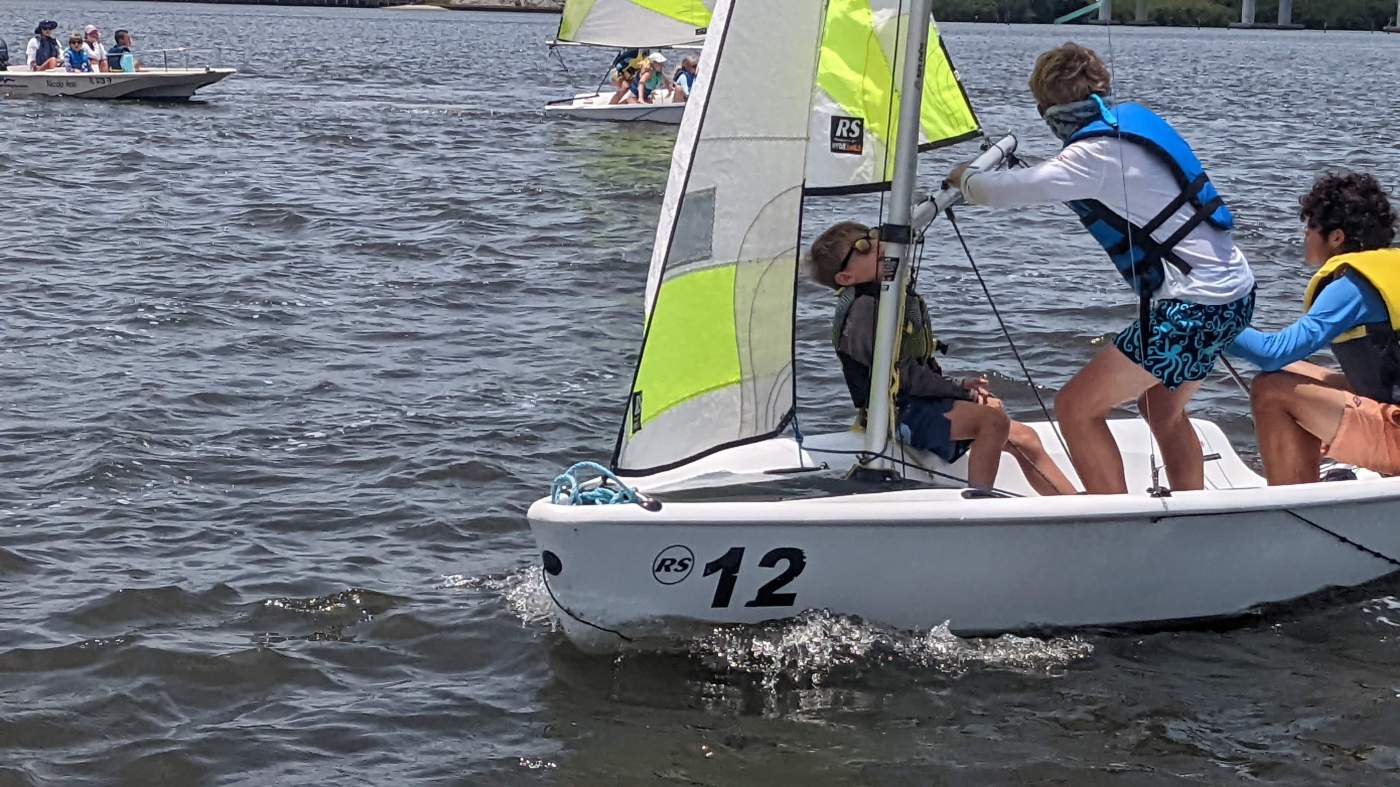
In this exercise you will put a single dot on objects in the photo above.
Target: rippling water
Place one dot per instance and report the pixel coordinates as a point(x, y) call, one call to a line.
point(282, 370)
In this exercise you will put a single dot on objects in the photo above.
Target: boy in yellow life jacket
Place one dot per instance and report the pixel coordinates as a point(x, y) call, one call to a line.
point(937, 414)
point(1301, 410)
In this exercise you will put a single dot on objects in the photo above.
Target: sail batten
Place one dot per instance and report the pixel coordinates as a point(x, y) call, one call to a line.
point(634, 23)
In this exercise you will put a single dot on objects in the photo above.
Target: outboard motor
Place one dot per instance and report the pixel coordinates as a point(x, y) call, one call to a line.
point(4, 56)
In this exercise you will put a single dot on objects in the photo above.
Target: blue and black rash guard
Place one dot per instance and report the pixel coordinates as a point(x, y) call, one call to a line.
point(1345, 303)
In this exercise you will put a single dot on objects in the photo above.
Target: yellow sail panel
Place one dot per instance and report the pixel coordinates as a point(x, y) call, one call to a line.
point(575, 12)
point(692, 12)
point(635, 23)
point(855, 101)
point(678, 364)
point(946, 115)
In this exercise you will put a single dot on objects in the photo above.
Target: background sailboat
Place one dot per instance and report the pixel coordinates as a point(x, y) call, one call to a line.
point(741, 519)
point(629, 24)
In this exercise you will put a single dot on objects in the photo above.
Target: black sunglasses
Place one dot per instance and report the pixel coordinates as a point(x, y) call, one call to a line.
point(861, 244)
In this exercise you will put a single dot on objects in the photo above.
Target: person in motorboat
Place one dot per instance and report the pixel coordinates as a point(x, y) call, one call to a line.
point(4, 55)
point(43, 52)
point(648, 80)
point(937, 414)
point(1303, 411)
point(97, 53)
point(1140, 191)
point(120, 57)
point(684, 79)
point(75, 57)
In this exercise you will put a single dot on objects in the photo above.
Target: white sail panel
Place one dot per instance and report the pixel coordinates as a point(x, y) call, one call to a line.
point(855, 103)
point(716, 363)
point(635, 23)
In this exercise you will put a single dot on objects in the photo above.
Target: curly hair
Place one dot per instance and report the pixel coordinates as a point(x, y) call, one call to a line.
point(1351, 202)
point(1066, 74)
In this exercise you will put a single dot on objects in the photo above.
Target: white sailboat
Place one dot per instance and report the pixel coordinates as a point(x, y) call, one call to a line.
point(739, 519)
point(629, 24)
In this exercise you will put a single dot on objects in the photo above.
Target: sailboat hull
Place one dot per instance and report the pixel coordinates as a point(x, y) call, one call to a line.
point(595, 106)
point(913, 559)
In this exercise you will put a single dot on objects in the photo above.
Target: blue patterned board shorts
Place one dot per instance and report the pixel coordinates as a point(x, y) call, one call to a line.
point(1186, 338)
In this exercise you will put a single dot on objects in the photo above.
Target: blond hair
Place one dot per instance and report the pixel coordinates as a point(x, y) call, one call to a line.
point(830, 248)
point(1067, 74)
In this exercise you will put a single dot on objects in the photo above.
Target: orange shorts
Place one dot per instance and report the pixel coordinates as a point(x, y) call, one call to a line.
point(1369, 436)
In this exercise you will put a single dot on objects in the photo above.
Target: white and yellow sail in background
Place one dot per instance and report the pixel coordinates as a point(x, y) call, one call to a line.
point(762, 129)
point(653, 24)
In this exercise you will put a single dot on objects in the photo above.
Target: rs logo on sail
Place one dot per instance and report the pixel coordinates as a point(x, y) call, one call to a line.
point(847, 134)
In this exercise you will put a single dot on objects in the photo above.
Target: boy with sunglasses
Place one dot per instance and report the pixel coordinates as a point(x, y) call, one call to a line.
point(943, 416)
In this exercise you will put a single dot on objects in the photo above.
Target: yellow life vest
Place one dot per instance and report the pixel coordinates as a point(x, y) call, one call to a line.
point(1369, 354)
point(1379, 267)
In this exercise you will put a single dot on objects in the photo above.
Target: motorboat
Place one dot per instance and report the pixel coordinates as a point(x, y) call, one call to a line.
point(158, 84)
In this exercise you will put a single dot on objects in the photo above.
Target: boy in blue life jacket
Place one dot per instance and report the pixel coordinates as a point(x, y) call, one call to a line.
point(75, 57)
point(1301, 410)
point(1140, 191)
point(937, 414)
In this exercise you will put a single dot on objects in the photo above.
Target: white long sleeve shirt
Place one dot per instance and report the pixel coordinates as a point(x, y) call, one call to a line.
point(1133, 183)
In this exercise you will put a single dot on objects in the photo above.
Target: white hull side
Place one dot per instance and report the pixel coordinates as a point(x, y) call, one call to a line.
point(595, 106)
point(162, 85)
point(913, 559)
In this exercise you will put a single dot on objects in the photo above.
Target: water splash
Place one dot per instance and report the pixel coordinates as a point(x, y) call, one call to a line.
point(817, 646)
point(522, 590)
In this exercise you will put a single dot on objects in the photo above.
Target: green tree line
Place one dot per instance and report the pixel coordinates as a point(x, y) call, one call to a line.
point(1347, 14)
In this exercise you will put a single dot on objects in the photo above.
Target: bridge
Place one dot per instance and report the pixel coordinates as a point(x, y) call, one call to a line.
point(1247, 17)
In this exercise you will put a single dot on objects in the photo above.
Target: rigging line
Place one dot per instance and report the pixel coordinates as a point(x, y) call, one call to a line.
point(1344, 539)
point(567, 611)
point(1144, 302)
point(953, 222)
point(1234, 375)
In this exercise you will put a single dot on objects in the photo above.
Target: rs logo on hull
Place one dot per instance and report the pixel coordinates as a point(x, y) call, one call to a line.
point(672, 564)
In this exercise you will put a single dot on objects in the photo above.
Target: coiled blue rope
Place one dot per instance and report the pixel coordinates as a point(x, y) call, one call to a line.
point(567, 489)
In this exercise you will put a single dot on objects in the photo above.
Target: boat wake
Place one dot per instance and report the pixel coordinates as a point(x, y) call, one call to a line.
point(819, 646)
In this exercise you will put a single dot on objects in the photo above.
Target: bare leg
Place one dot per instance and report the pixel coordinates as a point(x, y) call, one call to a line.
point(987, 428)
point(1165, 411)
point(1294, 416)
point(1083, 407)
point(1044, 475)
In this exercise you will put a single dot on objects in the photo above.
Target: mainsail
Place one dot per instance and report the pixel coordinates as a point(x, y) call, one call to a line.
point(716, 366)
point(635, 23)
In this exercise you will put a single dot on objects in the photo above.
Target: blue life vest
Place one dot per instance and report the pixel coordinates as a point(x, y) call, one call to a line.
point(1136, 254)
point(78, 60)
point(114, 57)
point(47, 48)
